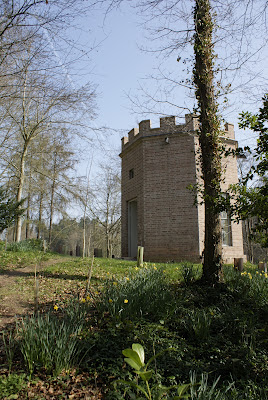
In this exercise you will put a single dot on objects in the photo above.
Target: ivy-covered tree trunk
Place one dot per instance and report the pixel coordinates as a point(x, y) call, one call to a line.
point(208, 137)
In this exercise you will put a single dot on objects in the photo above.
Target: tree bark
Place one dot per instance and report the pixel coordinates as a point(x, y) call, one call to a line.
point(52, 198)
point(208, 137)
point(40, 214)
point(29, 197)
point(19, 191)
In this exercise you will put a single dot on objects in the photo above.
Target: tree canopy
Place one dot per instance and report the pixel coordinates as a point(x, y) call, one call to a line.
point(251, 194)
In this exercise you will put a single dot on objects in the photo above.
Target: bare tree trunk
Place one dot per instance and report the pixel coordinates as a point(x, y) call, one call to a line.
point(248, 240)
point(29, 197)
point(52, 199)
point(19, 191)
point(84, 218)
point(40, 215)
point(208, 138)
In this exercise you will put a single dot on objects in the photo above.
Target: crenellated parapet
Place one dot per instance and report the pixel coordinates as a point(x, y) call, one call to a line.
point(168, 126)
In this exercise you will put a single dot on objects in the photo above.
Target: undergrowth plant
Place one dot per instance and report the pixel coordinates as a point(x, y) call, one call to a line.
point(49, 341)
point(188, 272)
point(146, 294)
point(26, 245)
point(198, 324)
point(9, 346)
point(11, 385)
point(250, 284)
point(135, 358)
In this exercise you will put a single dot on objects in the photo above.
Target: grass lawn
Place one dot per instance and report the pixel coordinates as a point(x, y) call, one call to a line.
point(215, 339)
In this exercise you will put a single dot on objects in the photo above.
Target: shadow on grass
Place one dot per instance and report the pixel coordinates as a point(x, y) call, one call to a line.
point(44, 274)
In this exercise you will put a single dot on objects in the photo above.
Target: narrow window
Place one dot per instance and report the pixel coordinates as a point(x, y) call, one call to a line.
point(226, 227)
point(131, 173)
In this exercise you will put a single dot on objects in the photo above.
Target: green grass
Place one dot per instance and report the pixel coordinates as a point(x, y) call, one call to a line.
point(216, 335)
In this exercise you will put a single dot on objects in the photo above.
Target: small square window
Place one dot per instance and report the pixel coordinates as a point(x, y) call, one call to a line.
point(131, 173)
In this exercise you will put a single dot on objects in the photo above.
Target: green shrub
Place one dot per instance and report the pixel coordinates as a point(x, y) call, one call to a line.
point(26, 245)
point(145, 294)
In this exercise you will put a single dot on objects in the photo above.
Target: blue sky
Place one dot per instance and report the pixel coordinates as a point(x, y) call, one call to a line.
point(119, 68)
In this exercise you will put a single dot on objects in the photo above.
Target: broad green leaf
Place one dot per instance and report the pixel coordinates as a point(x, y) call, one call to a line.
point(182, 389)
point(139, 350)
point(134, 385)
point(145, 375)
point(133, 355)
point(132, 363)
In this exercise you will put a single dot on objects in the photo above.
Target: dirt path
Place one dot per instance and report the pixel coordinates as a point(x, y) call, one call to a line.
point(14, 303)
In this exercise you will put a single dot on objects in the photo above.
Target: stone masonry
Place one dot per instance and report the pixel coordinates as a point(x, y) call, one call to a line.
point(158, 211)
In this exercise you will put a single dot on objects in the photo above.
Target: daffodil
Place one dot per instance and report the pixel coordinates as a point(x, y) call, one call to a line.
point(126, 301)
point(110, 300)
point(83, 300)
point(56, 307)
point(88, 297)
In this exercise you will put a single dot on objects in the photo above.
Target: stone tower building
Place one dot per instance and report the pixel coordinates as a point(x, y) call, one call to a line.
point(158, 211)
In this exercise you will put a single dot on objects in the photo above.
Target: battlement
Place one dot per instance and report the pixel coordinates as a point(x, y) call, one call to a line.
point(168, 126)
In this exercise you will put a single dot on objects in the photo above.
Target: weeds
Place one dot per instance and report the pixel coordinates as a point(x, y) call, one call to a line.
point(49, 342)
point(198, 325)
point(216, 333)
point(9, 346)
point(188, 273)
point(135, 358)
point(11, 385)
point(145, 294)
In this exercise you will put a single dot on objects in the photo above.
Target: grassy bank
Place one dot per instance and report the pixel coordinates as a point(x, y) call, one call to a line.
point(215, 339)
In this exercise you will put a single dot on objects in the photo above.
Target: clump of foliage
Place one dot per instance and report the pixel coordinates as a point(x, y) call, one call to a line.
point(51, 341)
point(144, 294)
point(252, 201)
point(26, 245)
point(188, 272)
point(135, 357)
point(10, 209)
point(12, 384)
